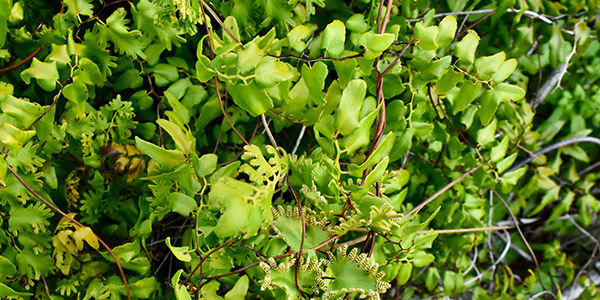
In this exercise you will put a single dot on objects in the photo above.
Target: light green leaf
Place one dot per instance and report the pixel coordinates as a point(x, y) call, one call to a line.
point(181, 292)
point(509, 92)
point(204, 165)
point(489, 104)
point(404, 273)
point(427, 36)
point(486, 134)
point(505, 70)
point(422, 258)
point(432, 278)
point(468, 92)
point(314, 78)
point(164, 74)
point(182, 204)
point(447, 31)
point(239, 290)
point(204, 69)
point(486, 66)
point(250, 98)
point(76, 92)
point(181, 253)
point(248, 59)
point(183, 142)
point(377, 172)
point(499, 151)
point(375, 43)
point(46, 74)
point(296, 37)
point(448, 82)
point(6, 291)
point(24, 112)
point(271, 72)
point(334, 37)
point(465, 49)
point(357, 23)
point(169, 158)
point(14, 138)
point(287, 227)
point(80, 7)
point(346, 117)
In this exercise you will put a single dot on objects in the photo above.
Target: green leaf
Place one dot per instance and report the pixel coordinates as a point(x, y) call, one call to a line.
point(404, 273)
point(447, 31)
point(350, 276)
point(182, 204)
point(183, 142)
point(377, 172)
point(7, 268)
point(24, 112)
point(181, 253)
point(448, 82)
point(345, 70)
point(427, 36)
point(76, 92)
point(334, 37)
point(314, 78)
point(271, 72)
point(489, 104)
point(248, 59)
point(46, 74)
point(505, 70)
point(422, 258)
point(508, 92)
point(499, 151)
point(80, 7)
point(204, 165)
point(357, 23)
point(486, 134)
point(164, 74)
point(296, 37)
point(468, 91)
point(181, 292)
point(346, 117)
point(288, 226)
point(465, 49)
point(250, 98)
point(486, 66)
point(169, 158)
point(204, 69)
point(432, 278)
point(454, 283)
point(14, 138)
point(116, 31)
point(239, 290)
point(375, 44)
point(131, 79)
point(6, 291)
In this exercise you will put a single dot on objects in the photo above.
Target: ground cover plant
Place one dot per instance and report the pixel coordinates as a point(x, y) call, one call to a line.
point(320, 149)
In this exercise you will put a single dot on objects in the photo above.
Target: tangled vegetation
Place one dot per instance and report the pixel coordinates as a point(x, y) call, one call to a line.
point(322, 149)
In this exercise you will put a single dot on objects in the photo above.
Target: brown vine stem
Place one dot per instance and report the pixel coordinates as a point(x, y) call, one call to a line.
point(22, 62)
point(216, 17)
point(254, 264)
point(62, 87)
point(212, 54)
point(441, 191)
point(20, 179)
point(208, 255)
point(300, 208)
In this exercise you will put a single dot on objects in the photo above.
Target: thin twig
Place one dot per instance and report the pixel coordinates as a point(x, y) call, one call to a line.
point(207, 256)
point(441, 191)
point(22, 62)
point(537, 265)
point(47, 203)
point(463, 230)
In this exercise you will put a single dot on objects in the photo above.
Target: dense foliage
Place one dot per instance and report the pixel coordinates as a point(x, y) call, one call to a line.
point(323, 149)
